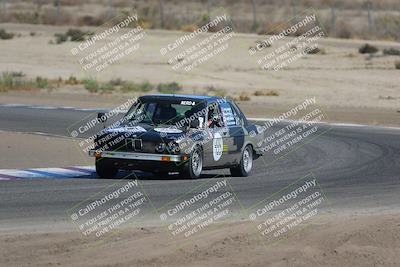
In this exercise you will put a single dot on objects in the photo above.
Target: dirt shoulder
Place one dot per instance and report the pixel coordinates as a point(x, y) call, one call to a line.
point(334, 240)
point(351, 87)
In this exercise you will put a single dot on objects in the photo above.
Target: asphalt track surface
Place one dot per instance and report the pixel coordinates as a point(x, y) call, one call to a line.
point(358, 168)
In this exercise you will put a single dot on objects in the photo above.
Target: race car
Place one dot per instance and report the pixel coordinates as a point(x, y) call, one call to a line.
point(166, 133)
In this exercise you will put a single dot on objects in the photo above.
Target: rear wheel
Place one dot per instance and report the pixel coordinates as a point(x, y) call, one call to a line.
point(194, 166)
point(246, 163)
point(105, 170)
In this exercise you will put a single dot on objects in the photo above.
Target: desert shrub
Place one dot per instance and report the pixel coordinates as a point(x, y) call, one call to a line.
point(76, 35)
point(16, 81)
point(263, 44)
point(219, 92)
point(145, 86)
point(88, 20)
point(116, 82)
point(72, 80)
point(397, 65)
point(5, 35)
point(91, 85)
point(17, 74)
point(41, 82)
point(145, 24)
point(136, 87)
point(391, 51)
point(313, 51)
point(266, 93)
point(169, 87)
point(129, 87)
point(244, 97)
point(61, 38)
point(212, 90)
point(6, 81)
point(106, 88)
point(367, 49)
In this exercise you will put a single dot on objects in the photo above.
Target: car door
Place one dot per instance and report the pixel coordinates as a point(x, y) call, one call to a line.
point(216, 147)
point(235, 137)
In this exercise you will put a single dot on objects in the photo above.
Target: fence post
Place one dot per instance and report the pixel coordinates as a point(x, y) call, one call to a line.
point(293, 3)
point(333, 18)
point(4, 8)
point(254, 26)
point(161, 3)
point(110, 9)
point(58, 10)
point(209, 8)
point(368, 6)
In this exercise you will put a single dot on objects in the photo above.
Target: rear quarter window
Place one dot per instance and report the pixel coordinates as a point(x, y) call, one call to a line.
point(228, 115)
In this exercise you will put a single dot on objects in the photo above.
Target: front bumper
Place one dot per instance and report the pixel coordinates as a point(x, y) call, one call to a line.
point(137, 156)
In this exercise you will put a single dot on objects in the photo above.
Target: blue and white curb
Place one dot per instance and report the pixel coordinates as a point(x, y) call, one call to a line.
point(49, 173)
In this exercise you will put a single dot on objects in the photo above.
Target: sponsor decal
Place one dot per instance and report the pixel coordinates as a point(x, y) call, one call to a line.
point(188, 103)
point(133, 129)
point(167, 130)
point(218, 146)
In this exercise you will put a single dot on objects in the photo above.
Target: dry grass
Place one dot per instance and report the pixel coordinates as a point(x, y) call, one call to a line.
point(391, 52)
point(272, 16)
point(266, 93)
point(17, 81)
point(244, 97)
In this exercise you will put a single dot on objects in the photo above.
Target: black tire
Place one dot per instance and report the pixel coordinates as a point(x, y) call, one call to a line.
point(242, 170)
point(105, 170)
point(191, 169)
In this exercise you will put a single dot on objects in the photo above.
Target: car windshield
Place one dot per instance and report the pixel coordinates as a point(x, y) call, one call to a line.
point(167, 112)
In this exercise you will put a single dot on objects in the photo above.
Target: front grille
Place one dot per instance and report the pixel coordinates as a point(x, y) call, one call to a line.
point(134, 144)
point(137, 144)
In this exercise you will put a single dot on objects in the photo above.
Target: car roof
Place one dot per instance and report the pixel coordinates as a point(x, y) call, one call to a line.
point(181, 97)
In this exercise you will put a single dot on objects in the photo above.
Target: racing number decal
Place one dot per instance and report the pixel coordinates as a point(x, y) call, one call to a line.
point(218, 146)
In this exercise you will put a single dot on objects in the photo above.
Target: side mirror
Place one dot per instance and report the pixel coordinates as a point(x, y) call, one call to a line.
point(194, 123)
point(102, 117)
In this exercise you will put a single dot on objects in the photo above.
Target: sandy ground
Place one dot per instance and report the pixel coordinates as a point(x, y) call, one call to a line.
point(344, 82)
point(329, 240)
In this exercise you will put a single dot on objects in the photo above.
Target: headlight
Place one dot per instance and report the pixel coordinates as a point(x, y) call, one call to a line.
point(160, 148)
point(174, 148)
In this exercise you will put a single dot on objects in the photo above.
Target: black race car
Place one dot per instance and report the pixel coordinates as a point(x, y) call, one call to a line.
point(178, 133)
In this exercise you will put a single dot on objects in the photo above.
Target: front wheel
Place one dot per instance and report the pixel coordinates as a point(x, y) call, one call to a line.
point(246, 163)
point(105, 170)
point(194, 166)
